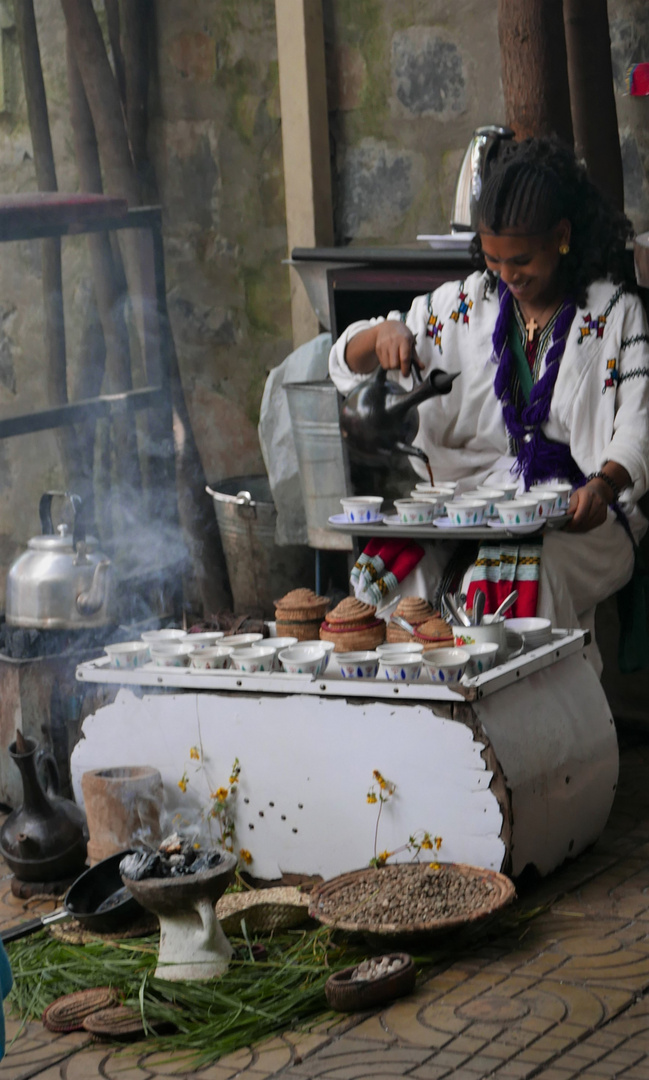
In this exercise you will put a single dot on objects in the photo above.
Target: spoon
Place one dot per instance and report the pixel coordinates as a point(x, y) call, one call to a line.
point(508, 602)
point(403, 623)
point(479, 601)
point(460, 616)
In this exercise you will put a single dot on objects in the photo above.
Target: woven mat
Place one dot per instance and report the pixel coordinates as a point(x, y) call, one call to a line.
point(280, 908)
point(74, 934)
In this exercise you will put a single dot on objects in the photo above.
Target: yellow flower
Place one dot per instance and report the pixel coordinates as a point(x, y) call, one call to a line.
point(245, 856)
point(233, 780)
point(433, 866)
point(377, 776)
point(427, 843)
point(194, 753)
point(371, 797)
point(221, 794)
point(438, 843)
point(182, 784)
point(196, 847)
point(383, 857)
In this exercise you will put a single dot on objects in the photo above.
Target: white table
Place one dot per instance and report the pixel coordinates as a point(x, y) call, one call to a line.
point(517, 766)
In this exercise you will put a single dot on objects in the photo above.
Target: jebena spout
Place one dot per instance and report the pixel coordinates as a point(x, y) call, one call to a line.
point(89, 602)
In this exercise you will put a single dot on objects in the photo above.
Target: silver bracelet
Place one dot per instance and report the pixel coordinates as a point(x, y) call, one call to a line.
point(615, 488)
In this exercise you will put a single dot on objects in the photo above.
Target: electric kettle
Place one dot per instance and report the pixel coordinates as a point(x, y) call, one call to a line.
point(483, 150)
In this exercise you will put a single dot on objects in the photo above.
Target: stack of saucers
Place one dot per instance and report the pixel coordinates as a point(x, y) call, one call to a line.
point(534, 632)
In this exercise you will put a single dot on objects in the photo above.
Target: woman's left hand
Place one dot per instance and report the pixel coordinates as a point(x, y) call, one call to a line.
point(588, 507)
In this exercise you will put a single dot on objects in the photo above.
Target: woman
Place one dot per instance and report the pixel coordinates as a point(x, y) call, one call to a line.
point(553, 350)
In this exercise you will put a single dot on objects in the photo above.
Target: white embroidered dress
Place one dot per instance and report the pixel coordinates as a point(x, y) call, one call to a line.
point(600, 409)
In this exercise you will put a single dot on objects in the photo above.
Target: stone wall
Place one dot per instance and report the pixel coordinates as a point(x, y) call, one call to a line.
point(408, 82)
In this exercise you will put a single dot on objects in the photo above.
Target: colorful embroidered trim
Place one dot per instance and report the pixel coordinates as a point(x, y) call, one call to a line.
point(594, 327)
point(434, 327)
point(463, 307)
point(612, 375)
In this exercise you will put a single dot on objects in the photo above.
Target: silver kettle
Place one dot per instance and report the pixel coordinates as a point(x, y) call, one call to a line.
point(483, 150)
point(62, 582)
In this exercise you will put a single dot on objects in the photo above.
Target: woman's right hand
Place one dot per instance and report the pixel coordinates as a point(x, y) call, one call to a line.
point(395, 347)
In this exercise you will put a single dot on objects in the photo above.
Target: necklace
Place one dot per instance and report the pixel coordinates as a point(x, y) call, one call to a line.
point(531, 326)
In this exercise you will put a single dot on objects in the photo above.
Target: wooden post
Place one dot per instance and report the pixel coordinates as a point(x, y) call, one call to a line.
point(534, 68)
point(305, 138)
point(594, 116)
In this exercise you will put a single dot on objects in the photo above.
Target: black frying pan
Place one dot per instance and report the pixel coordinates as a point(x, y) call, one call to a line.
point(98, 900)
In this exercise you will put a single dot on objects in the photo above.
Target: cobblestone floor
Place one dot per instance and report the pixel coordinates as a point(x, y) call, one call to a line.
point(560, 996)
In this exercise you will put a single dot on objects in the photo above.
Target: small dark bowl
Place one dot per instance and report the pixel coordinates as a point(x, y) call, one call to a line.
point(343, 995)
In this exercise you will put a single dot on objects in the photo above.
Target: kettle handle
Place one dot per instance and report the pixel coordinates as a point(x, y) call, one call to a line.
point(45, 510)
point(48, 771)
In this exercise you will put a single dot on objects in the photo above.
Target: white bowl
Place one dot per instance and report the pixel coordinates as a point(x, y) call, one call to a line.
point(399, 648)
point(303, 659)
point(357, 665)
point(205, 640)
point(510, 488)
point(517, 511)
point(239, 641)
point(171, 653)
point(546, 502)
point(466, 512)
point(163, 635)
point(414, 511)
point(492, 496)
point(441, 485)
point(481, 657)
point(362, 508)
point(211, 658)
point(446, 666)
point(563, 492)
point(253, 658)
point(400, 667)
point(533, 631)
point(436, 498)
point(127, 655)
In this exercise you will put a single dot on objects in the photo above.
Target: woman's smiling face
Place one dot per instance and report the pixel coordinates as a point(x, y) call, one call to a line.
point(528, 264)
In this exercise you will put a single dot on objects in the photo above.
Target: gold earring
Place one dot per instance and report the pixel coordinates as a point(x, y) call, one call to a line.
point(564, 249)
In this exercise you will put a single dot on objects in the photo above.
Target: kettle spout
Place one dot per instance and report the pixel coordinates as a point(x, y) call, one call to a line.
point(89, 602)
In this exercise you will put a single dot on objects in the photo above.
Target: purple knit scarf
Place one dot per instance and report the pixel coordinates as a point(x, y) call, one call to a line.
point(538, 457)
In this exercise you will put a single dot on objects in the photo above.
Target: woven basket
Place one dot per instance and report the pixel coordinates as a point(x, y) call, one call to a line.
point(354, 638)
point(435, 633)
point(328, 908)
point(67, 1013)
point(301, 605)
point(303, 631)
point(345, 995)
point(414, 610)
point(279, 908)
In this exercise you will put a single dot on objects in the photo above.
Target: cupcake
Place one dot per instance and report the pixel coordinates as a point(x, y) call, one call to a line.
point(299, 614)
point(435, 633)
point(352, 626)
point(414, 610)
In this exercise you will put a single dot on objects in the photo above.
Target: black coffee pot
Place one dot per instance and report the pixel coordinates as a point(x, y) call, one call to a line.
point(45, 838)
point(379, 416)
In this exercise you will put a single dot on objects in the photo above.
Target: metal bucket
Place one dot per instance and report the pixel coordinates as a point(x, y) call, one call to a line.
point(260, 572)
point(314, 412)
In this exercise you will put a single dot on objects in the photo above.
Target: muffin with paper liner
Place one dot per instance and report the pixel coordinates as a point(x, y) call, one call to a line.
point(415, 610)
point(299, 614)
point(352, 626)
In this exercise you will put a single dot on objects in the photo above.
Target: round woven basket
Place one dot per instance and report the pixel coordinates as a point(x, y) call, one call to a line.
point(68, 1013)
point(414, 610)
point(280, 908)
point(329, 907)
point(435, 633)
point(354, 638)
point(305, 630)
point(347, 995)
point(301, 605)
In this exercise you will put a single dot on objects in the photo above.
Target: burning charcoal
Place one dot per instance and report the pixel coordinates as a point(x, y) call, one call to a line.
point(172, 845)
point(207, 861)
point(139, 865)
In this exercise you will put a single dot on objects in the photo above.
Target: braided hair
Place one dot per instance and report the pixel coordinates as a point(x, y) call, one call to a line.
point(538, 183)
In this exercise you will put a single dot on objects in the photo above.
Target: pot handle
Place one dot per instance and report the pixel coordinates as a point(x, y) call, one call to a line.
point(45, 509)
point(48, 772)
